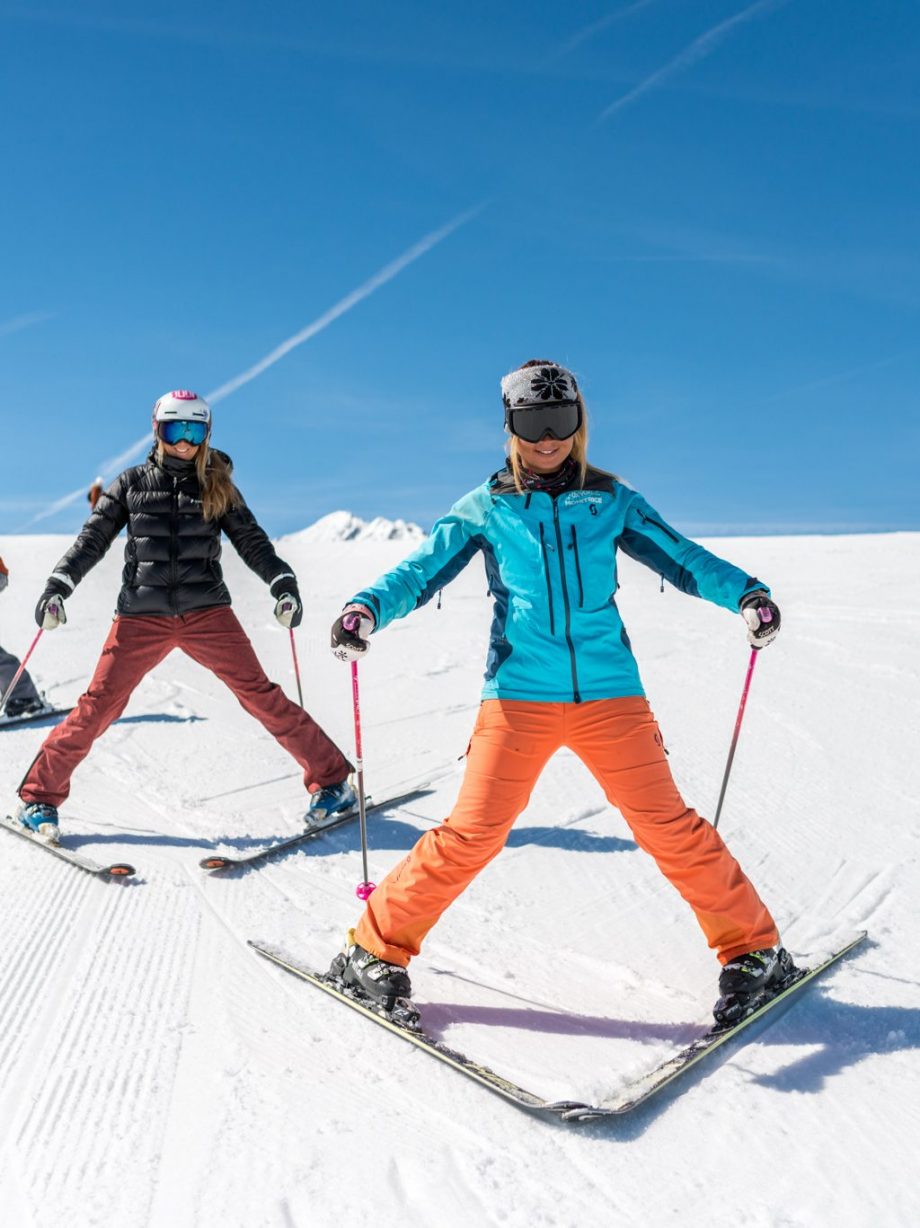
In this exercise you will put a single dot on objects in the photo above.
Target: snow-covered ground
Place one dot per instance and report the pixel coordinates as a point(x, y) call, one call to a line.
point(154, 1071)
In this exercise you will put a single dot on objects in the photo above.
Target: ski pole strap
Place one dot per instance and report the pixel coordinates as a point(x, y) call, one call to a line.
point(738, 719)
point(22, 669)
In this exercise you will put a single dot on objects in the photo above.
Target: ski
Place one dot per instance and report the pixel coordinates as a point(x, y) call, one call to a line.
point(30, 718)
point(459, 1061)
point(265, 851)
point(118, 870)
point(656, 1080)
point(630, 1097)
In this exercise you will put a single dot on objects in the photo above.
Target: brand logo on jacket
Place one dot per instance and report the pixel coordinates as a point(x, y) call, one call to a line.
point(575, 497)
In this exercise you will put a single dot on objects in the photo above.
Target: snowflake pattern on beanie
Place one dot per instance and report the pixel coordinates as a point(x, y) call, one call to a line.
point(532, 386)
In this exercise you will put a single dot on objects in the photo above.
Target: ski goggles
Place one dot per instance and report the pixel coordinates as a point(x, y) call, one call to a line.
point(176, 429)
point(535, 422)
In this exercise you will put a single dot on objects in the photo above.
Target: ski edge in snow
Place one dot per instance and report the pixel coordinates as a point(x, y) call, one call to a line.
point(631, 1097)
point(31, 718)
point(265, 851)
point(118, 869)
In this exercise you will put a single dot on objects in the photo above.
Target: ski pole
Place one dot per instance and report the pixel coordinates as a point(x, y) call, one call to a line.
point(731, 753)
point(363, 889)
point(22, 669)
point(296, 667)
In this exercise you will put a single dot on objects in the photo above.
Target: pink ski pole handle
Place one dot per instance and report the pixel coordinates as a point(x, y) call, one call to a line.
point(22, 669)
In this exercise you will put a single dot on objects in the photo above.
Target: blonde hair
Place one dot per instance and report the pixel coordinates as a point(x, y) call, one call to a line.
point(218, 492)
point(579, 453)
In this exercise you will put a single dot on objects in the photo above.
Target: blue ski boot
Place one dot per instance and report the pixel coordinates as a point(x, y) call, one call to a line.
point(749, 980)
point(331, 803)
point(40, 819)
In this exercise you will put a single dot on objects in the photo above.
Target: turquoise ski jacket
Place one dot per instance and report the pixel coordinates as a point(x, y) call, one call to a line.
point(551, 562)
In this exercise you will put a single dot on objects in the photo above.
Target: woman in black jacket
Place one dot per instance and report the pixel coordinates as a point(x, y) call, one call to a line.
point(175, 507)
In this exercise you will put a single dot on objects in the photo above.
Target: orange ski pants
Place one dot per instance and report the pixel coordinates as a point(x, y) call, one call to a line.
point(620, 743)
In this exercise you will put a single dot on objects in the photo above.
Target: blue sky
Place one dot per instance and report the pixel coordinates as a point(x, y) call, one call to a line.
point(707, 208)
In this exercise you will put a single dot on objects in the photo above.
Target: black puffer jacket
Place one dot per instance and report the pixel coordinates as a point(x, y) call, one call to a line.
point(172, 555)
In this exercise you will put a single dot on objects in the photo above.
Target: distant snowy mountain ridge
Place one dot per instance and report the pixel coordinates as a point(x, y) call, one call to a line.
point(346, 527)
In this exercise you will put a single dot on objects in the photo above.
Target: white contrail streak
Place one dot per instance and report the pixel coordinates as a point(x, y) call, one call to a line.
point(17, 324)
point(581, 36)
point(387, 273)
point(692, 54)
point(114, 465)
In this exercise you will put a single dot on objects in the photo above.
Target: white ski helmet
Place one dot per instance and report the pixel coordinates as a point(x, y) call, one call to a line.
point(181, 406)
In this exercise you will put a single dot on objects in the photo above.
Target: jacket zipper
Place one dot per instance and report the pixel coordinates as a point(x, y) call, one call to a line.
point(565, 601)
point(173, 545)
point(549, 586)
point(581, 591)
point(658, 525)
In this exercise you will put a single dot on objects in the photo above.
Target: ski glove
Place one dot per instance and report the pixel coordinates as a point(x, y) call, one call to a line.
point(49, 613)
point(350, 631)
point(288, 606)
point(762, 617)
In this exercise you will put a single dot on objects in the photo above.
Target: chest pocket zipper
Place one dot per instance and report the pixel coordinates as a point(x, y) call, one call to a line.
point(581, 591)
point(549, 586)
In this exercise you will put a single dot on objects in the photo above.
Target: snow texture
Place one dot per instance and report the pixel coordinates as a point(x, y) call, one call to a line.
point(154, 1071)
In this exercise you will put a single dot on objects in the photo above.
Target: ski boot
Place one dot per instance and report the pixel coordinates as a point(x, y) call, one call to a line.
point(40, 819)
point(374, 981)
point(749, 980)
point(25, 707)
point(331, 803)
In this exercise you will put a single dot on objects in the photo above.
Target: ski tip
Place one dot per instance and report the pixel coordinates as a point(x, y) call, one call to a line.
point(120, 870)
point(216, 863)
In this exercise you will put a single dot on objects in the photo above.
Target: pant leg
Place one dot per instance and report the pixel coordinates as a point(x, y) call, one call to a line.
point(215, 639)
point(510, 745)
point(619, 741)
point(133, 647)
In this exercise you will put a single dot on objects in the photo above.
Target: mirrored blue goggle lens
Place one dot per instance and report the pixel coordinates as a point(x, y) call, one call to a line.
point(171, 432)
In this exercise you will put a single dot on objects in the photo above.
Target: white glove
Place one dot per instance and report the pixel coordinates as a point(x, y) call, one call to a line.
point(350, 633)
point(762, 617)
point(288, 610)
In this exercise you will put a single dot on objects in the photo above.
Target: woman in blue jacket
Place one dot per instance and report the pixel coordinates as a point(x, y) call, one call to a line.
point(559, 672)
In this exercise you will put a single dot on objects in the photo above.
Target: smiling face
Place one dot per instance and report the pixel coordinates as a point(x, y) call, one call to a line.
point(183, 450)
point(547, 455)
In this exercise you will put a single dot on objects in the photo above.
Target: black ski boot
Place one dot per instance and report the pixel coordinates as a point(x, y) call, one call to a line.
point(380, 984)
point(749, 980)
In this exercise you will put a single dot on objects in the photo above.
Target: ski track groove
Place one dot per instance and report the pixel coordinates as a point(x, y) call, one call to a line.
point(27, 1011)
point(101, 1055)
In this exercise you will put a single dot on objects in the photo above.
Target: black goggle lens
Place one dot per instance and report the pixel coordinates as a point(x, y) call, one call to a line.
point(534, 423)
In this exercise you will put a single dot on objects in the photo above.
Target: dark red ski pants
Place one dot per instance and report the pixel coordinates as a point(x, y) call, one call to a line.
point(213, 638)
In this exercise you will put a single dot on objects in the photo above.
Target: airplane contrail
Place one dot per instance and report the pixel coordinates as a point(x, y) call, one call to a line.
point(691, 54)
point(115, 464)
point(586, 32)
point(17, 324)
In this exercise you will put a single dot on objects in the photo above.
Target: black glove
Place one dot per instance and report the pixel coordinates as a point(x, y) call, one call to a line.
point(762, 617)
point(49, 613)
point(350, 631)
point(288, 606)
